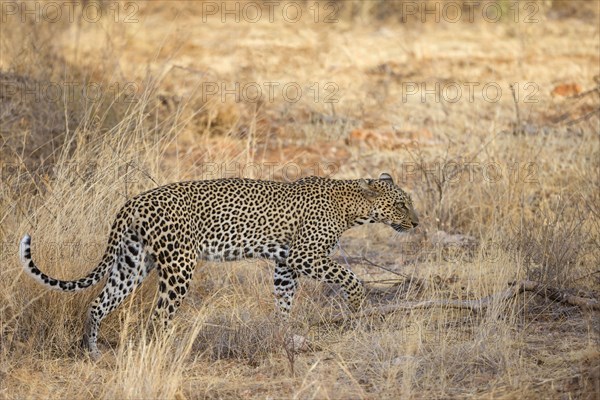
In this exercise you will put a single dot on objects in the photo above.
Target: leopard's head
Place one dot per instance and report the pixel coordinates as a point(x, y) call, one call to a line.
point(389, 204)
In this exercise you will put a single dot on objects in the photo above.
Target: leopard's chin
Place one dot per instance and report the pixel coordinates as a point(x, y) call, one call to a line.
point(398, 228)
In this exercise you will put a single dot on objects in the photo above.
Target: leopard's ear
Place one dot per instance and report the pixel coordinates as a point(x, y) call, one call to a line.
point(386, 178)
point(367, 191)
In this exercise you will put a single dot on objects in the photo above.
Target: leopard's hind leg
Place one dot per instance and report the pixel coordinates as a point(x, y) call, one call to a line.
point(285, 282)
point(132, 266)
point(174, 276)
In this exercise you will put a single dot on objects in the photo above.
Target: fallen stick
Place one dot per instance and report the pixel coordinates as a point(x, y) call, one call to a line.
point(480, 304)
point(555, 294)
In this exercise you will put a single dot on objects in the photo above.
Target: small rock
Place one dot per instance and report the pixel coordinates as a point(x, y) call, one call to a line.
point(403, 360)
point(297, 344)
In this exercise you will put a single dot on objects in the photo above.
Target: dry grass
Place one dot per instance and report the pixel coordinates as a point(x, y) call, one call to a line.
point(519, 192)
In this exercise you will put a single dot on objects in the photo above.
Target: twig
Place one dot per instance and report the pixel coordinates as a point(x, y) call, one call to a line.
point(587, 275)
point(392, 281)
point(518, 125)
point(583, 118)
point(385, 268)
point(479, 304)
point(583, 94)
point(558, 295)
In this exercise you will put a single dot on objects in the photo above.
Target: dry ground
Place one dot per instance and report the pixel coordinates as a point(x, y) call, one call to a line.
point(506, 186)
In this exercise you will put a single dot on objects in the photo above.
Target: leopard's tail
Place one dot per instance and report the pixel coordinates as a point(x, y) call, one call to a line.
point(66, 286)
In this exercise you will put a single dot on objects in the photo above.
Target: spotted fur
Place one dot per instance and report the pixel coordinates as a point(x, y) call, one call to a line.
point(170, 228)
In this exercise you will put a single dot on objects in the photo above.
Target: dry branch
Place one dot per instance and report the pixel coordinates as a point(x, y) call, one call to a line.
point(555, 294)
point(481, 304)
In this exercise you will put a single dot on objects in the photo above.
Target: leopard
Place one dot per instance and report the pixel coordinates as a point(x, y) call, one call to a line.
point(171, 228)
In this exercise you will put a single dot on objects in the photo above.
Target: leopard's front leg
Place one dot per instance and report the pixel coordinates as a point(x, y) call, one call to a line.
point(285, 282)
point(322, 268)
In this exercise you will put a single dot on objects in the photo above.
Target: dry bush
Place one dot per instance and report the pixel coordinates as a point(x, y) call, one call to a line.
point(157, 367)
point(552, 250)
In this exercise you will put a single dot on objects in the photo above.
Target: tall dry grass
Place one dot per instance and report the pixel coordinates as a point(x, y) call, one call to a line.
point(67, 167)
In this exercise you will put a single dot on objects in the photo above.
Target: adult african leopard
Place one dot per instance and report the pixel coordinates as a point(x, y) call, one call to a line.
point(169, 228)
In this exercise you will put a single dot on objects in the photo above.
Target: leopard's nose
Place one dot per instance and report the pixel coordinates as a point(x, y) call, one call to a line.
point(414, 218)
